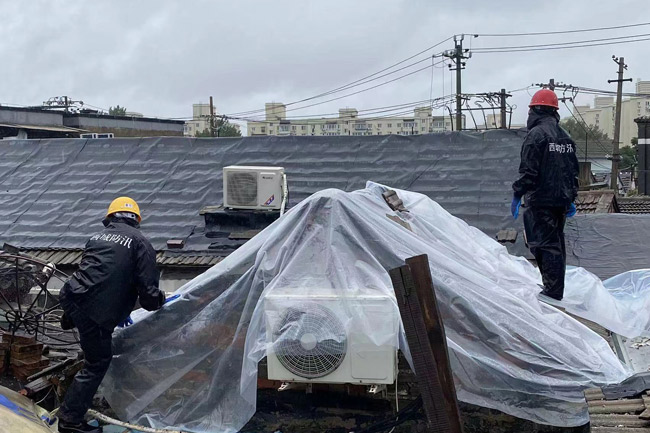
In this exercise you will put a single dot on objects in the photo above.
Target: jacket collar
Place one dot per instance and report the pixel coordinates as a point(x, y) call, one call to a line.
point(113, 222)
point(535, 118)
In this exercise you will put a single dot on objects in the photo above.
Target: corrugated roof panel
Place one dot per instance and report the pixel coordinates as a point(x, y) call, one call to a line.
point(73, 257)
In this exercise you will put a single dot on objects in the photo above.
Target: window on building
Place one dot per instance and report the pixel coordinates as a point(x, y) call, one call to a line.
point(390, 125)
point(423, 129)
point(263, 130)
point(379, 125)
point(399, 125)
point(303, 128)
point(253, 129)
point(293, 127)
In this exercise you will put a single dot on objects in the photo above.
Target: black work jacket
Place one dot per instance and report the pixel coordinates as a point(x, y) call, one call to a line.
point(548, 173)
point(118, 266)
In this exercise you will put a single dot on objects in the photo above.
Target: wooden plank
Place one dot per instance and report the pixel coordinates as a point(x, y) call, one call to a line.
point(435, 329)
point(36, 386)
point(427, 342)
point(54, 368)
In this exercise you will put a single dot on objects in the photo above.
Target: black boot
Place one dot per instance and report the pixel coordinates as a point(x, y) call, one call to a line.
point(83, 427)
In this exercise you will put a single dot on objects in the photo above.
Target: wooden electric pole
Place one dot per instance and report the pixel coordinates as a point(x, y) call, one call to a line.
point(211, 118)
point(616, 156)
point(458, 56)
point(504, 107)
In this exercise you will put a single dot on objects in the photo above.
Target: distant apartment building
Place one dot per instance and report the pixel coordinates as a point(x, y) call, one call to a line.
point(494, 122)
point(603, 113)
point(348, 123)
point(200, 120)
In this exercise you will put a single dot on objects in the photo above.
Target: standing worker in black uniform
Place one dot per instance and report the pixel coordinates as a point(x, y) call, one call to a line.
point(118, 267)
point(548, 181)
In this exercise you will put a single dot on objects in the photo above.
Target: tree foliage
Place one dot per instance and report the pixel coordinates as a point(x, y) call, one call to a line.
point(577, 131)
point(223, 129)
point(629, 159)
point(117, 111)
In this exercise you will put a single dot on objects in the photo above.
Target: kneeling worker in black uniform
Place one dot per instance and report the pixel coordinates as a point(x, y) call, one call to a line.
point(549, 182)
point(118, 267)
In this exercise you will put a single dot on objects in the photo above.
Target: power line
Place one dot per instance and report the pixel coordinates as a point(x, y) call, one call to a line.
point(356, 82)
point(565, 43)
point(440, 102)
point(549, 47)
point(520, 90)
point(375, 109)
point(560, 32)
point(583, 124)
point(360, 83)
point(358, 91)
point(610, 92)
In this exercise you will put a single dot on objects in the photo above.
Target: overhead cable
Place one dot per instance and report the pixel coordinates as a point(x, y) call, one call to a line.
point(548, 48)
point(560, 32)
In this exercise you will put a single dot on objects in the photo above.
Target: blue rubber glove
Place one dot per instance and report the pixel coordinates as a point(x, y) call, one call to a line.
point(514, 206)
point(171, 298)
point(572, 211)
point(127, 322)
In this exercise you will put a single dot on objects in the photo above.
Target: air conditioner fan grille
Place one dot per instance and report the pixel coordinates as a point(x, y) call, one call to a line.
point(242, 189)
point(310, 341)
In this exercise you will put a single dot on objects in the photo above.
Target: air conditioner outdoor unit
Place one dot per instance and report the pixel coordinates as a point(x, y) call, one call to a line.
point(331, 339)
point(247, 187)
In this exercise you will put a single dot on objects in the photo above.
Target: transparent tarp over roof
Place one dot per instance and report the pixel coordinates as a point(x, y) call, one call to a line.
point(193, 365)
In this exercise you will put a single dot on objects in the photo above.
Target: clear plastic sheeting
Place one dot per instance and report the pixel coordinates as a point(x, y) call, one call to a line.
point(620, 304)
point(194, 364)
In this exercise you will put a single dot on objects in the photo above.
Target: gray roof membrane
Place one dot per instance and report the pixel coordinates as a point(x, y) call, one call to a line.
point(608, 244)
point(54, 193)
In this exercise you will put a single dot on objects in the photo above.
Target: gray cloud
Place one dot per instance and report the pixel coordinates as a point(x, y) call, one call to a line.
point(159, 57)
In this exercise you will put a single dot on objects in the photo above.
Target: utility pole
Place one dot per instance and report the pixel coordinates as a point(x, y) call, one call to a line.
point(504, 110)
point(458, 56)
point(616, 156)
point(211, 118)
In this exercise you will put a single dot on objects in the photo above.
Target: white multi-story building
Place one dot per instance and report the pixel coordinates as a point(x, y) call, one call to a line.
point(349, 123)
point(603, 113)
point(494, 122)
point(200, 120)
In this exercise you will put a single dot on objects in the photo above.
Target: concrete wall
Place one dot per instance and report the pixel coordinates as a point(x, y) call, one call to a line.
point(25, 116)
point(125, 127)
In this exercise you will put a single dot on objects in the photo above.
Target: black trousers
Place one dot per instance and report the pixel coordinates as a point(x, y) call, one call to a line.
point(545, 236)
point(96, 344)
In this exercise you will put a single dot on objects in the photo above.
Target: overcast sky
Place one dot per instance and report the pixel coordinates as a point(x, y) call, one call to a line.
point(158, 57)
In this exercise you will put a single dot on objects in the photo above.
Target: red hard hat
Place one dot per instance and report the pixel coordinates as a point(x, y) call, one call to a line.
point(545, 97)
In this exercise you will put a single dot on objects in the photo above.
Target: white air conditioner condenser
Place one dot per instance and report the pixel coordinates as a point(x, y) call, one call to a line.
point(331, 339)
point(249, 187)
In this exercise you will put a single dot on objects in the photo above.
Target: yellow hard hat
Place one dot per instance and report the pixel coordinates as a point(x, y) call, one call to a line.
point(124, 204)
